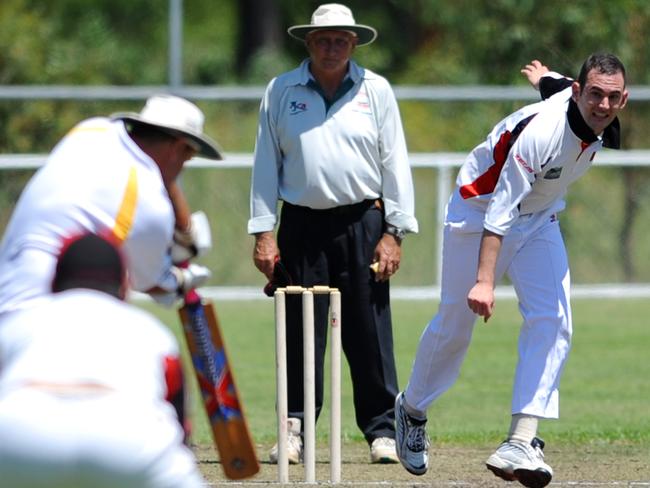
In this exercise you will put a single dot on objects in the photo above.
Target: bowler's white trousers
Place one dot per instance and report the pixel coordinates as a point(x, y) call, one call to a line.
point(534, 257)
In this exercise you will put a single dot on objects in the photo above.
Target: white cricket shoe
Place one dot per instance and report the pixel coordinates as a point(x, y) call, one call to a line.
point(411, 440)
point(515, 460)
point(382, 451)
point(294, 444)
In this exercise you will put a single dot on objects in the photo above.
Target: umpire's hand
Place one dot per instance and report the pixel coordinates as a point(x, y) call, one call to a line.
point(388, 255)
point(265, 253)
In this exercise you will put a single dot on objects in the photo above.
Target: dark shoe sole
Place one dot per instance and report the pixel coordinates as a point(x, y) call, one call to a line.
point(533, 479)
point(504, 475)
point(416, 472)
point(385, 460)
point(419, 471)
point(530, 479)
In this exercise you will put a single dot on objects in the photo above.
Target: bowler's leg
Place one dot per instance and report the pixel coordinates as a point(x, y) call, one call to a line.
point(445, 340)
point(540, 274)
point(441, 350)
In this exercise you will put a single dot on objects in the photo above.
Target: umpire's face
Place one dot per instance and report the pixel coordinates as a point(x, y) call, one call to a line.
point(601, 99)
point(330, 50)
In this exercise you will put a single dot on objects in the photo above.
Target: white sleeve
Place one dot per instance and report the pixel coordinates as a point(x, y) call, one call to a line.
point(266, 163)
point(397, 182)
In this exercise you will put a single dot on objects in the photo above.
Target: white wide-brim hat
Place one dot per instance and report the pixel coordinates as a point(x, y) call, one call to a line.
point(334, 16)
point(177, 116)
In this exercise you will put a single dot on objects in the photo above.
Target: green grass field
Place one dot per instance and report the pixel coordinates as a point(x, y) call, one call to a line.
point(604, 392)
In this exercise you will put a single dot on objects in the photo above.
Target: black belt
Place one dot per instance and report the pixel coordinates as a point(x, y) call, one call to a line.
point(352, 209)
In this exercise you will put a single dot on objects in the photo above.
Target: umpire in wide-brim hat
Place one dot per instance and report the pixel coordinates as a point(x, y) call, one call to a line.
point(334, 16)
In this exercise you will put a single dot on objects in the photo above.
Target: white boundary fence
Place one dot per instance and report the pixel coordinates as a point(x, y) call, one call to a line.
point(446, 163)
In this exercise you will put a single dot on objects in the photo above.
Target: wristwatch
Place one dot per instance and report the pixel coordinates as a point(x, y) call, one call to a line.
point(395, 231)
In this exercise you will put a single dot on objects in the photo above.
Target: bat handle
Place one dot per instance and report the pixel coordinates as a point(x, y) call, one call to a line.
point(191, 297)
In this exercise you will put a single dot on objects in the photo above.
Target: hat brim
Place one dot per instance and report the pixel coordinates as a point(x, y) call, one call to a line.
point(207, 147)
point(365, 33)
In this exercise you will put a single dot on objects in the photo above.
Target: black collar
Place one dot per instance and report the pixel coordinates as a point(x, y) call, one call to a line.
point(611, 134)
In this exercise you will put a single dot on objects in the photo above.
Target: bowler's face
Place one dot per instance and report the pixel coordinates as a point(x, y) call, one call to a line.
point(330, 50)
point(601, 99)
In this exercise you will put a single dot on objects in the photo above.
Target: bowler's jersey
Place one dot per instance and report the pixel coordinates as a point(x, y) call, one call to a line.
point(524, 166)
point(96, 180)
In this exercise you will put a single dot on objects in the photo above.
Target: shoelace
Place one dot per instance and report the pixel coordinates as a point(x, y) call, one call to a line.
point(531, 451)
point(416, 438)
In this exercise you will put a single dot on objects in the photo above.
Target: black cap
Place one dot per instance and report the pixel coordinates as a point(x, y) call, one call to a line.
point(90, 261)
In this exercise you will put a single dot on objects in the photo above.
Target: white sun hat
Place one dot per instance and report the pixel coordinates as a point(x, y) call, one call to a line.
point(177, 116)
point(334, 16)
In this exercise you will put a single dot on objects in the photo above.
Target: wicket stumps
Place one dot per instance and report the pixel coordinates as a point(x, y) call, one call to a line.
point(309, 402)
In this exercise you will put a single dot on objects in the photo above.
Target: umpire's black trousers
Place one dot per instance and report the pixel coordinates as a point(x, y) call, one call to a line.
point(335, 247)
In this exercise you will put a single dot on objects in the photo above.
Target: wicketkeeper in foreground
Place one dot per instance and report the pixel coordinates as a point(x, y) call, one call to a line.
point(502, 219)
point(91, 388)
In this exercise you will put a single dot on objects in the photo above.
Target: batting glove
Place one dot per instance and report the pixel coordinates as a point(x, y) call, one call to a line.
point(165, 299)
point(194, 241)
point(191, 277)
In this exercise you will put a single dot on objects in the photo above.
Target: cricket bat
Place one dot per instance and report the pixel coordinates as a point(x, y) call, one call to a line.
point(230, 431)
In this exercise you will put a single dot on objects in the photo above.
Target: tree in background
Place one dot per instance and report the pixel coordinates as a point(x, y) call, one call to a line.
point(259, 32)
point(125, 42)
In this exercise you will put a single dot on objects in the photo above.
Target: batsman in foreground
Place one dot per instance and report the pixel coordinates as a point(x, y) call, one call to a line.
point(91, 388)
point(502, 219)
point(112, 175)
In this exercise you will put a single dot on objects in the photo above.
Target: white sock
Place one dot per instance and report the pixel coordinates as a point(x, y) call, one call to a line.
point(523, 428)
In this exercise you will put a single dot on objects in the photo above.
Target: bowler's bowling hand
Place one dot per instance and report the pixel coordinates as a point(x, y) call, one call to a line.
point(480, 300)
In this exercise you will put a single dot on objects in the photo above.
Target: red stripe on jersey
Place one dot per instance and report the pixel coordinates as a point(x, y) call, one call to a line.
point(584, 145)
point(175, 391)
point(485, 184)
point(173, 377)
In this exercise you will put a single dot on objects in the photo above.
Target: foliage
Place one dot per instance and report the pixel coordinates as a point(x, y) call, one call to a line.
point(125, 42)
point(420, 41)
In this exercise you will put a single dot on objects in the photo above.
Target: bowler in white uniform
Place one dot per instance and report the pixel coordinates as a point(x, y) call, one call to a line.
point(502, 219)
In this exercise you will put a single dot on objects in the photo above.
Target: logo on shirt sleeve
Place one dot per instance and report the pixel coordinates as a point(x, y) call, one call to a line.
point(361, 103)
point(553, 174)
point(523, 163)
point(297, 107)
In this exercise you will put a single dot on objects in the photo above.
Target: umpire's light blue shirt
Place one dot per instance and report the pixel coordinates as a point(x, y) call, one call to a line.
point(309, 155)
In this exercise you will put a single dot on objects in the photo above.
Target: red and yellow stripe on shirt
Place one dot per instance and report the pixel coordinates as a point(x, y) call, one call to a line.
point(126, 213)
